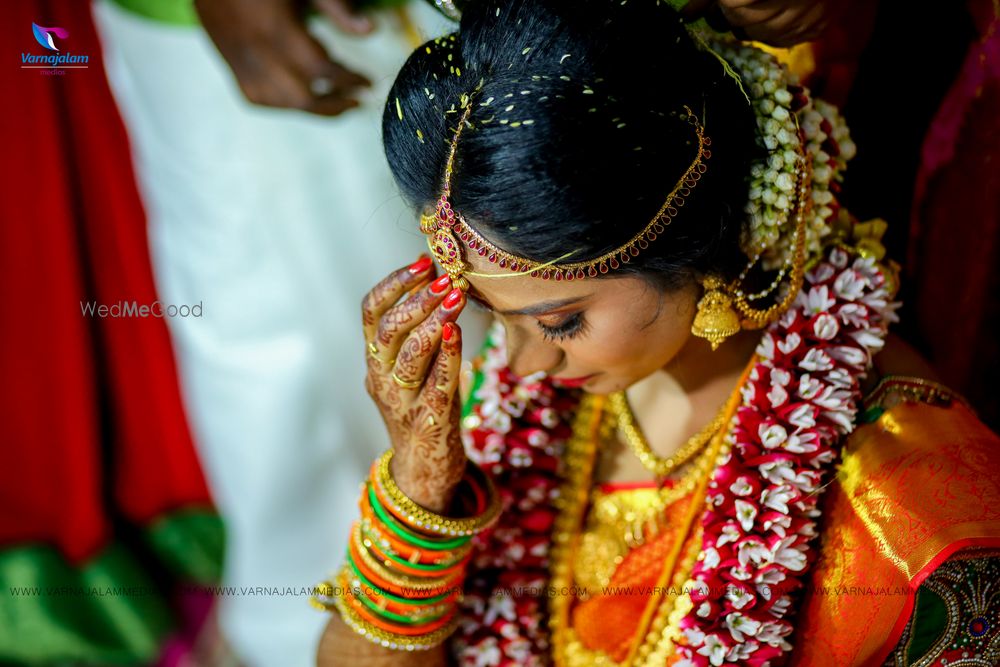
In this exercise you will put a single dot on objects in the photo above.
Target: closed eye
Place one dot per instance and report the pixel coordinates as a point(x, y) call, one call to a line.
point(573, 326)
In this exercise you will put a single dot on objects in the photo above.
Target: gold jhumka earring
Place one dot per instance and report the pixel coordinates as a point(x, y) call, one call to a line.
point(715, 320)
point(725, 308)
point(450, 235)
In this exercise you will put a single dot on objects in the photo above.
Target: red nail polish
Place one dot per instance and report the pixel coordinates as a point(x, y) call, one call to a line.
point(448, 331)
point(420, 265)
point(441, 284)
point(452, 299)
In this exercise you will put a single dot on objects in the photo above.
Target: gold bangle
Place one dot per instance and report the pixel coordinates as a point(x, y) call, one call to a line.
point(370, 530)
point(398, 579)
point(324, 589)
point(406, 384)
point(388, 639)
point(422, 519)
point(377, 635)
point(351, 583)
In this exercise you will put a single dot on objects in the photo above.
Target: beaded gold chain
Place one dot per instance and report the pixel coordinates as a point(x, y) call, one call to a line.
point(658, 465)
point(571, 503)
point(758, 318)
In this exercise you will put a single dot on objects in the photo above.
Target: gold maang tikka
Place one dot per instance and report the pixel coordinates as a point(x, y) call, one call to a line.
point(450, 235)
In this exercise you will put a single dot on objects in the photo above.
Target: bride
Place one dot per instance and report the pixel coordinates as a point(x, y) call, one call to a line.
point(689, 439)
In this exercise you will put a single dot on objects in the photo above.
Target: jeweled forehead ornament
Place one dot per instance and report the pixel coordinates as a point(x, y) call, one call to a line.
point(450, 235)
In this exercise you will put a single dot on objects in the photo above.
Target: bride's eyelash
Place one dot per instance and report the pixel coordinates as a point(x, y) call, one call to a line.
point(573, 326)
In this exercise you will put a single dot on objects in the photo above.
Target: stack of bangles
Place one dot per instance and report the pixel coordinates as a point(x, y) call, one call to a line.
point(402, 581)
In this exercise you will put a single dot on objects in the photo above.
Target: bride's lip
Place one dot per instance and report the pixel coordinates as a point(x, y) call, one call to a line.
point(573, 383)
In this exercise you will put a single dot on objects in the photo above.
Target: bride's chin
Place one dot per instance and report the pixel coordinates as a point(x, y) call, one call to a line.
point(603, 386)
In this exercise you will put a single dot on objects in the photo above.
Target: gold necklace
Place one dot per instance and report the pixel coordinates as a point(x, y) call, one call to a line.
point(620, 521)
point(656, 631)
point(659, 626)
point(659, 465)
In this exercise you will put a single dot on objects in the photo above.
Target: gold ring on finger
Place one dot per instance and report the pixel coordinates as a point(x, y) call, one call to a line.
point(373, 353)
point(406, 384)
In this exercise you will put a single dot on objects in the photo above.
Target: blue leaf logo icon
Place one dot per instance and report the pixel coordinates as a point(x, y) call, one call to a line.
point(43, 35)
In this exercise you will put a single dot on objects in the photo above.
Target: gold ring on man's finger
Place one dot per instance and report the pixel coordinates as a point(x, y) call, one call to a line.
point(406, 384)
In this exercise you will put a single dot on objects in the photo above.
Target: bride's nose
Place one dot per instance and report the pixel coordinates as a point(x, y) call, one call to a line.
point(527, 354)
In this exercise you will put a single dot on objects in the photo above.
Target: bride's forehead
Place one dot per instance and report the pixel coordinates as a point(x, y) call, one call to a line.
point(502, 290)
point(508, 291)
point(517, 293)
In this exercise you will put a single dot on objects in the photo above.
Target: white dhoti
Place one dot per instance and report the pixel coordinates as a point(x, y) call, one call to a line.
point(277, 222)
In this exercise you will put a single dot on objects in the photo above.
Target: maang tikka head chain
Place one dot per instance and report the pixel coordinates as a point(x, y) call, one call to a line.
point(449, 234)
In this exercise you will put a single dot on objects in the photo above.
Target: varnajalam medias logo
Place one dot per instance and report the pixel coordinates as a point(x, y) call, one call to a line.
point(46, 37)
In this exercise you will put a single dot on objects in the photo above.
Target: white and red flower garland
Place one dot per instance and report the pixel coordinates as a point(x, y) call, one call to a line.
point(517, 432)
point(798, 404)
point(761, 514)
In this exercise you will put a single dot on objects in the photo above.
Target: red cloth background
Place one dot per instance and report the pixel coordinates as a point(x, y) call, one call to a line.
point(954, 251)
point(92, 424)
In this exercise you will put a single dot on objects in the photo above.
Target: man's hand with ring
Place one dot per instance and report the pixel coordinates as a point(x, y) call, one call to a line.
point(276, 61)
point(782, 23)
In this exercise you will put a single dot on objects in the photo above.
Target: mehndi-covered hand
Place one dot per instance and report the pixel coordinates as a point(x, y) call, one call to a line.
point(414, 359)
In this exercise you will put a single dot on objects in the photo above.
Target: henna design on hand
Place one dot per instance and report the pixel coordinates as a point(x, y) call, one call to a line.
point(423, 426)
point(394, 322)
point(385, 294)
point(414, 356)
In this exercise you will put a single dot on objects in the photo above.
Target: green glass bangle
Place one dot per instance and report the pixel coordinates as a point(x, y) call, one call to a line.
point(395, 598)
point(406, 535)
point(381, 571)
point(423, 567)
point(393, 616)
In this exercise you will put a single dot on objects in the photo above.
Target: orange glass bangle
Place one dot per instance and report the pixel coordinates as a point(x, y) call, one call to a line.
point(400, 591)
point(400, 608)
point(402, 549)
point(403, 591)
point(415, 572)
point(372, 594)
point(370, 529)
point(389, 599)
point(422, 575)
point(405, 630)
